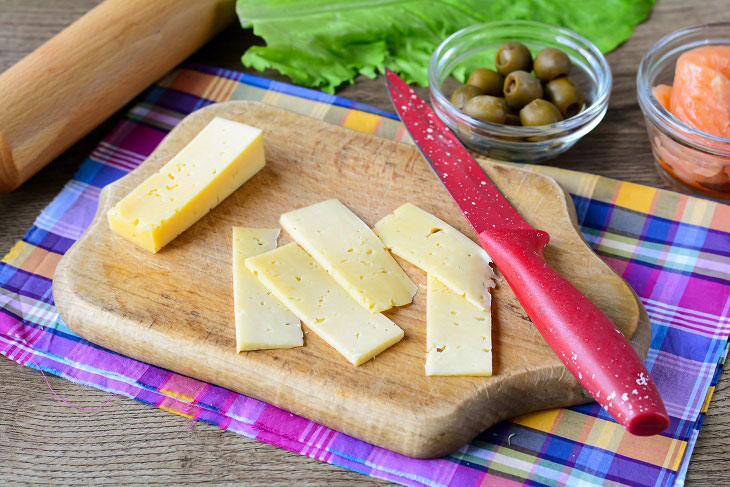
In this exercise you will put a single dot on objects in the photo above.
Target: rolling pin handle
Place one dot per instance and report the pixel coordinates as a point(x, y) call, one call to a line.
point(69, 85)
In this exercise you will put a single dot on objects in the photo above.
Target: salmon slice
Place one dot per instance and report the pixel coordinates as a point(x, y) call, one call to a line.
point(663, 93)
point(700, 96)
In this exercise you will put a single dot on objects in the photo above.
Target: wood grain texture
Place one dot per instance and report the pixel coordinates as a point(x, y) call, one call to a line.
point(35, 427)
point(143, 305)
point(128, 443)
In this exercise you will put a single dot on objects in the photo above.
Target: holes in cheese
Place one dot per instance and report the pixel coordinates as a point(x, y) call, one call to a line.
point(262, 322)
point(353, 255)
point(439, 249)
point(223, 156)
point(322, 304)
point(458, 334)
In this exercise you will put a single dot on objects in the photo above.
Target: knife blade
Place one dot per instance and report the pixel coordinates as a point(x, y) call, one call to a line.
point(580, 334)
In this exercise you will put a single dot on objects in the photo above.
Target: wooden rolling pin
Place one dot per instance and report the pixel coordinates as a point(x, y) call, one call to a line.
point(73, 82)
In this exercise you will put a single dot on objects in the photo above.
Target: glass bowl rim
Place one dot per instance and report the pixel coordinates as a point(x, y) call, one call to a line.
point(595, 109)
point(654, 110)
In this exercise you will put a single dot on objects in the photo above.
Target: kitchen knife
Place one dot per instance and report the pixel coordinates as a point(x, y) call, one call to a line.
point(580, 334)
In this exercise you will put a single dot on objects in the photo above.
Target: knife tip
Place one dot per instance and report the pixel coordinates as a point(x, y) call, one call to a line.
point(648, 423)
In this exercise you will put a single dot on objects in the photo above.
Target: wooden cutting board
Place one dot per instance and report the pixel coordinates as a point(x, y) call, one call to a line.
point(175, 309)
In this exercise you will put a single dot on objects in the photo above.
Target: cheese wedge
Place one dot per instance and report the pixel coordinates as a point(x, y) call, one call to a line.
point(439, 249)
point(223, 156)
point(458, 334)
point(353, 255)
point(262, 322)
point(312, 294)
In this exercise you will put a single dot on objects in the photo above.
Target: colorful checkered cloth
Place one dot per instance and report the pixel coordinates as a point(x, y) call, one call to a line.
point(673, 249)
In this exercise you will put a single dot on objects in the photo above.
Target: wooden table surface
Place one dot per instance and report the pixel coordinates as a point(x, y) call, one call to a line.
point(45, 441)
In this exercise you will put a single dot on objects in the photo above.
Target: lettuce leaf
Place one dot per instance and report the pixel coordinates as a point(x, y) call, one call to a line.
point(324, 43)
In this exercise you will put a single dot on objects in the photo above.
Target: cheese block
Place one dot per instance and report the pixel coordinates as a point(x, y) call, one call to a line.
point(223, 156)
point(458, 334)
point(312, 294)
point(439, 249)
point(262, 322)
point(353, 255)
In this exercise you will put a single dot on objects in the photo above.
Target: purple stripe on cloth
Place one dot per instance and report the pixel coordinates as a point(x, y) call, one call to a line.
point(26, 284)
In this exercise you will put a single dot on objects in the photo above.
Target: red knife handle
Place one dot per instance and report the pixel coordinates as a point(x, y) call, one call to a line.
point(582, 336)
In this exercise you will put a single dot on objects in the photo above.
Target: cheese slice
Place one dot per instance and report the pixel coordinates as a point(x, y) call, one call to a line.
point(458, 334)
point(353, 255)
point(262, 322)
point(312, 294)
point(223, 156)
point(439, 249)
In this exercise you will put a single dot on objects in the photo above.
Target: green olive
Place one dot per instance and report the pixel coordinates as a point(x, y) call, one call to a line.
point(513, 56)
point(520, 88)
point(540, 138)
point(490, 82)
point(512, 119)
point(551, 63)
point(487, 108)
point(539, 112)
point(463, 94)
point(500, 154)
point(563, 93)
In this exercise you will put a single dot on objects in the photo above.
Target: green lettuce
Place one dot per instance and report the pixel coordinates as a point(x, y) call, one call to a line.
point(324, 43)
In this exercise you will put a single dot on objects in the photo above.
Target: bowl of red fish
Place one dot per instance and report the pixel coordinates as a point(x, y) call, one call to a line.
point(683, 88)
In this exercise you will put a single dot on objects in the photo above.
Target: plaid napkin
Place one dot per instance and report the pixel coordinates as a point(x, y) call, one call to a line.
point(672, 249)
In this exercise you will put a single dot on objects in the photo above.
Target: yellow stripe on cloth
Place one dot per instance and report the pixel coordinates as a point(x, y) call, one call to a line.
point(178, 403)
point(605, 435)
point(32, 259)
point(203, 85)
point(220, 89)
point(296, 104)
point(635, 197)
point(697, 212)
point(361, 121)
point(708, 397)
point(658, 450)
point(177, 395)
point(541, 420)
point(175, 411)
point(676, 455)
point(578, 183)
point(18, 254)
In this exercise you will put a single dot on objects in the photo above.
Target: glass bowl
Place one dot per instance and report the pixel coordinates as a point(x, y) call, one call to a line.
point(476, 46)
point(689, 160)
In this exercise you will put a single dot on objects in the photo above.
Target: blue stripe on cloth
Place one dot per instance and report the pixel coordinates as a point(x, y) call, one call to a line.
point(293, 90)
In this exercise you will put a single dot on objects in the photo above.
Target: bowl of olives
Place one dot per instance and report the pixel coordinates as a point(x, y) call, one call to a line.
point(519, 91)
